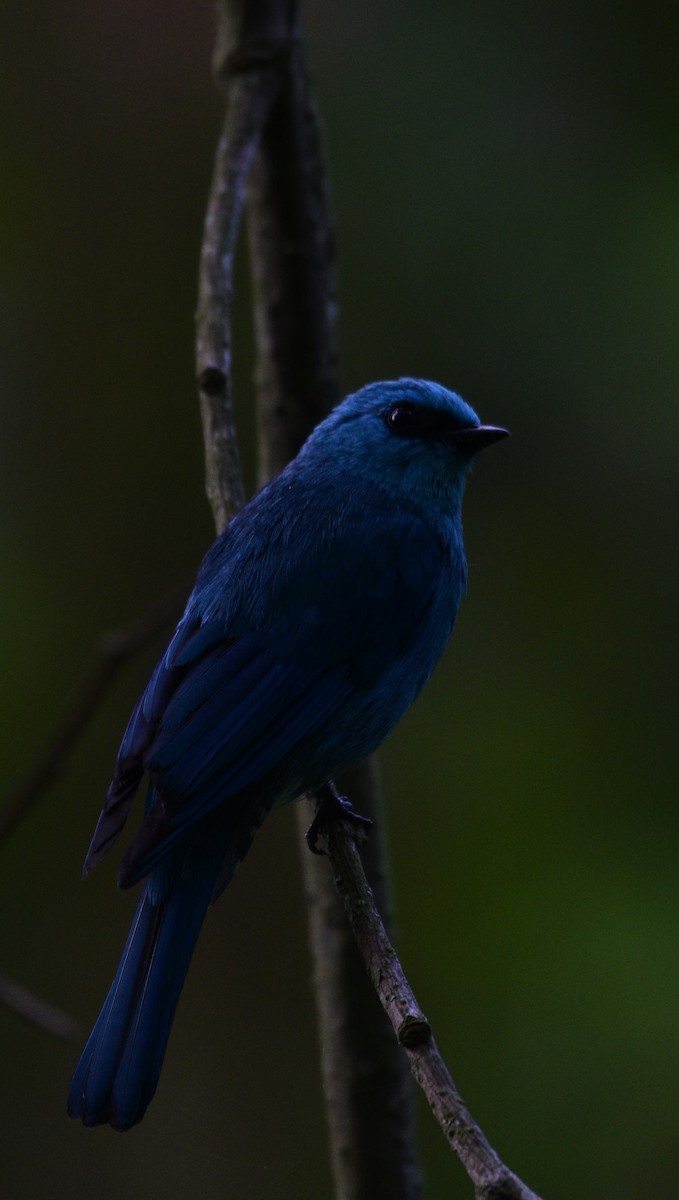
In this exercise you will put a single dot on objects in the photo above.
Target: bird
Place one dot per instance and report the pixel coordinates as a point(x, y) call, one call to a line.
point(317, 617)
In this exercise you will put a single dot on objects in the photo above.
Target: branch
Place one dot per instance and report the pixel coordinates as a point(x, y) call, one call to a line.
point(39, 1012)
point(250, 41)
point(115, 649)
point(294, 270)
point(366, 1081)
point(491, 1178)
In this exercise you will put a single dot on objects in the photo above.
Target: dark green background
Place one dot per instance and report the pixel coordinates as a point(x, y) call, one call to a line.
point(506, 184)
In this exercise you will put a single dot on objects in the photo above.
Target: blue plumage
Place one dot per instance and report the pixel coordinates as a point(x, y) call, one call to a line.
point(317, 617)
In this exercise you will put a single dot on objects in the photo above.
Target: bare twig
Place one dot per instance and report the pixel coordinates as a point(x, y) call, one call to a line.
point(292, 253)
point(249, 46)
point(491, 1178)
point(115, 649)
point(38, 1011)
point(367, 1084)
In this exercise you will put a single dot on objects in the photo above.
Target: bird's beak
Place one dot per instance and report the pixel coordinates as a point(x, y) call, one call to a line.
point(475, 437)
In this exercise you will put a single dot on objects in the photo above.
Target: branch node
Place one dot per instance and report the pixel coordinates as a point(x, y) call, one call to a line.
point(212, 381)
point(414, 1031)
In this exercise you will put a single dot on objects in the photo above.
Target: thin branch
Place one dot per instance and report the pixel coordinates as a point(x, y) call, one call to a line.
point(294, 269)
point(249, 46)
point(115, 649)
point(38, 1011)
point(366, 1081)
point(491, 1178)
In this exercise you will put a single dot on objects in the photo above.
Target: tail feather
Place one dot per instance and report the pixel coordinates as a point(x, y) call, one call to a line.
point(113, 815)
point(118, 1071)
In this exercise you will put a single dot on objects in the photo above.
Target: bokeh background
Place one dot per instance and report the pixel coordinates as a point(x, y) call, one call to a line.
point(506, 184)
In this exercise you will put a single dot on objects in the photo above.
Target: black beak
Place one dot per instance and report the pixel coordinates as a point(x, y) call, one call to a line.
point(475, 437)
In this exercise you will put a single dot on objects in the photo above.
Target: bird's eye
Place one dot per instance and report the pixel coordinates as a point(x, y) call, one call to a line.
point(419, 421)
point(403, 419)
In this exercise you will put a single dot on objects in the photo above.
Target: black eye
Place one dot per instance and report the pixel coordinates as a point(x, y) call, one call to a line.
point(404, 419)
point(420, 421)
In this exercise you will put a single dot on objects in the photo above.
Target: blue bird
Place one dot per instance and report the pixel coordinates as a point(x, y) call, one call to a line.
point(317, 617)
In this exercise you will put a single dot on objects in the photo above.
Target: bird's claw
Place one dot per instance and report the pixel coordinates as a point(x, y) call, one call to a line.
point(332, 807)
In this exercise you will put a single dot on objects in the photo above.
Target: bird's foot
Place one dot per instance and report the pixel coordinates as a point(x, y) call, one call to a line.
point(332, 807)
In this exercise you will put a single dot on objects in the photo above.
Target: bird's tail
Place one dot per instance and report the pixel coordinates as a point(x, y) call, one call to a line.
point(120, 1065)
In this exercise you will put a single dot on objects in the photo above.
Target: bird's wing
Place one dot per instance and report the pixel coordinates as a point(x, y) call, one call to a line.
point(242, 740)
point(196, 641)
point(243, 694)
point(250, 708)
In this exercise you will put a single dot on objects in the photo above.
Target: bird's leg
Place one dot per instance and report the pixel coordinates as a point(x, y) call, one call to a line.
point(330, 806)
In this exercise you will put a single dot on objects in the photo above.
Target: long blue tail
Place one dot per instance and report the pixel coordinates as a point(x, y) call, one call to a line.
point(120, 1065)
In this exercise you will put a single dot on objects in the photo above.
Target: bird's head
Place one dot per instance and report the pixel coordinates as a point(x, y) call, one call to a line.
point(413, 438)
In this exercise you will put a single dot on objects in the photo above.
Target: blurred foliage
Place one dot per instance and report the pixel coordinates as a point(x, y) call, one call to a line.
point(506, 183)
